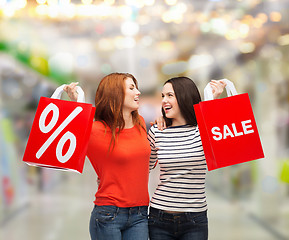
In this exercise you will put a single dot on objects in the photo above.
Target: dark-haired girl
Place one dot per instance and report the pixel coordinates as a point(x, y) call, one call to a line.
point(178, 208)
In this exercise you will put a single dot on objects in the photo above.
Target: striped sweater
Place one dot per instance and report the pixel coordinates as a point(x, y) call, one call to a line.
point(179, 151)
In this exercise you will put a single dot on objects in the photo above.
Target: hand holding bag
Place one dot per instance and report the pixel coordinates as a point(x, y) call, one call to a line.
point(228, 129)
point(60, 133)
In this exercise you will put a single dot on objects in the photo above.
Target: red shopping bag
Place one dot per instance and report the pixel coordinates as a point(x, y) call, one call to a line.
point(60, 133)
point(228, 129)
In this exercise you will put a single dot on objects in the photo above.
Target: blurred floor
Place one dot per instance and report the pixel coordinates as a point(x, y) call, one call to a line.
point(236, 221)
point(63, 213)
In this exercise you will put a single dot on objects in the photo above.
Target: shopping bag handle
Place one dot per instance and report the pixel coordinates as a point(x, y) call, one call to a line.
point(230, 88)
point(57, 93)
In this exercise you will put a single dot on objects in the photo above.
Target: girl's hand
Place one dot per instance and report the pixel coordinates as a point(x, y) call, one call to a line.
point(71, 91)
point(160, 121)
point(217, 87)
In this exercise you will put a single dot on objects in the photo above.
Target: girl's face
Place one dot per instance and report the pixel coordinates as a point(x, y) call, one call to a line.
point(170, 105)
point(131, 99)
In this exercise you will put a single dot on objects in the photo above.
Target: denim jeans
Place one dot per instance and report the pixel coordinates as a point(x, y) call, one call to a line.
point(114, 223)
point(177, 226)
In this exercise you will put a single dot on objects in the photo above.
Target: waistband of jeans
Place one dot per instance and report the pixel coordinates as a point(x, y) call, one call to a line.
point(164, 214)
point(122, 209)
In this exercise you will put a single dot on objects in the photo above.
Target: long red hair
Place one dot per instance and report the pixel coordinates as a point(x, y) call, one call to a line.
point(109, 99)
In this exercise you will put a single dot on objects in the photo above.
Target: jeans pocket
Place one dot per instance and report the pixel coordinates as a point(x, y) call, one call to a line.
point(152, 219)
point(144, 212)
point(200, 219)
point(105, 214)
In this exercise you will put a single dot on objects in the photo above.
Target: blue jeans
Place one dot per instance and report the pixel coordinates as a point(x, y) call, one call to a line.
point(177, 226)
point(114, 223)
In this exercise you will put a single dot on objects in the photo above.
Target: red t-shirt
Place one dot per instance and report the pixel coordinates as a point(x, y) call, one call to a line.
point(124, 172)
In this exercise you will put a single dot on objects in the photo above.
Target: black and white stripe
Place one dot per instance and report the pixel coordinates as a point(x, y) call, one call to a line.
point(179, 152)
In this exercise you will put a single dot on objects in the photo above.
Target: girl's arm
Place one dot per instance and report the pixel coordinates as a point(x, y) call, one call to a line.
point(154, 156)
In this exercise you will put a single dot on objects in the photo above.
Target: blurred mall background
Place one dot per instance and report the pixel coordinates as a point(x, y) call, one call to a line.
point(45, 43)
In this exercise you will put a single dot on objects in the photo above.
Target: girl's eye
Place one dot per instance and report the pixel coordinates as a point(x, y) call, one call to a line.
point(163, 96)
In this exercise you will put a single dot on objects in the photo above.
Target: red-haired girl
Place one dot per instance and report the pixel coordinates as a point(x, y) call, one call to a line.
point(119, 153)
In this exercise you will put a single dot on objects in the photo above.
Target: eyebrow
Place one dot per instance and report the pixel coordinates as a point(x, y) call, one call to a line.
point(168, 93)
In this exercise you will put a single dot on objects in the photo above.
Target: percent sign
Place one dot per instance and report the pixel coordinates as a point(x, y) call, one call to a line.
point(67, 136)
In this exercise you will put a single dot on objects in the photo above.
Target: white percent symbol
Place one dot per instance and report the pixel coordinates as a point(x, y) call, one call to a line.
point(67, 136)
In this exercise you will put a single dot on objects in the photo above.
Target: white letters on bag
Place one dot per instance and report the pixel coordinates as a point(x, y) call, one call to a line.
point(227, 132)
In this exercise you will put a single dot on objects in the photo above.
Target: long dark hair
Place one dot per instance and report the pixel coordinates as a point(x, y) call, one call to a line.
point(187, 95)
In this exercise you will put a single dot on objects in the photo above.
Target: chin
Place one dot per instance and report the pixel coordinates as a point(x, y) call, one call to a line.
point(135, 109)
point(169, 115)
